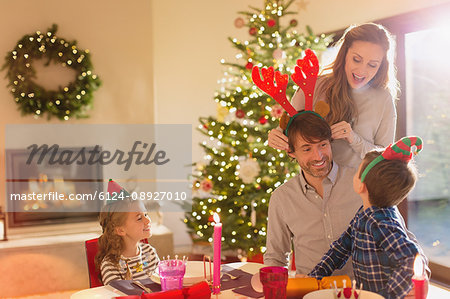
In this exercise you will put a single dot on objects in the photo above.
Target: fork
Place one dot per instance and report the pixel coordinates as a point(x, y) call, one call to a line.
point(139, 284)
point(232, 277)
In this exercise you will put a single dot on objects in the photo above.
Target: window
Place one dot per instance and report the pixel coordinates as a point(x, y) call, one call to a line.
point(428, 116)
point(424, 109)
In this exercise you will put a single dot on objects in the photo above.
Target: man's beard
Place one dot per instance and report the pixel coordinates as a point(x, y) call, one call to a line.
point(317, 173)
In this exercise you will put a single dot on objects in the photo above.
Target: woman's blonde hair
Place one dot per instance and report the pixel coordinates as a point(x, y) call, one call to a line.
point(110, 244)
point(336, 87)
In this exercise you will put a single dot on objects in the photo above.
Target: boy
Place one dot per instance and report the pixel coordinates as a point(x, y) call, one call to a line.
point(382, 253)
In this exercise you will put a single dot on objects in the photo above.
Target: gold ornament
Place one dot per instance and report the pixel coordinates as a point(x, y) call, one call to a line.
point(222, 112)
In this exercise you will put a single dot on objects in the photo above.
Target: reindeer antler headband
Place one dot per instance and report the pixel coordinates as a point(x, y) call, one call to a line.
point(305, 76)
point(401, 150)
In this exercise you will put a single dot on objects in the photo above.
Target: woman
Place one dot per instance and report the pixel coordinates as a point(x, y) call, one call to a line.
point(360, 91)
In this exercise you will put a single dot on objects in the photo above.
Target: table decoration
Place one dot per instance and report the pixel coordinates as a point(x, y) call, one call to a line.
point(171, 273)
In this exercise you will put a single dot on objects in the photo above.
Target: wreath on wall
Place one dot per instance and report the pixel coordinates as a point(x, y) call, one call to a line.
point(73, 100)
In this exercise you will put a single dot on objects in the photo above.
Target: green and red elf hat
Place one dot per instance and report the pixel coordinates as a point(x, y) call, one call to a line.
point(401, 150)
point(305, 76)
point(115, 190)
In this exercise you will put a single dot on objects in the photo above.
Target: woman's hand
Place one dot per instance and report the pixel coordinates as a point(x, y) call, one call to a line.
point(278, 140)
point(342, 130)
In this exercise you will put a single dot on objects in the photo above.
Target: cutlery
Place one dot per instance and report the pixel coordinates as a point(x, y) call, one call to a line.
point(139, 284)
point(232, 277)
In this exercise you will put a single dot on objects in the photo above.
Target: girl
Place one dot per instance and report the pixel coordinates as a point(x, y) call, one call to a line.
point(360, 91)
point(121, 255)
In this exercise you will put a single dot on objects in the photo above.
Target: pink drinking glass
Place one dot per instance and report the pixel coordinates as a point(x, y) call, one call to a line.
point(171, 273)
point(274, 281)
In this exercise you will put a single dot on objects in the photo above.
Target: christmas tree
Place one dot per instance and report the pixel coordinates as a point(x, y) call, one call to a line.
point(240, 170)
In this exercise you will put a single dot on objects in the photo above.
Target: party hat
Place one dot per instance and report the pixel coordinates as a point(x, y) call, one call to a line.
point(115, 189)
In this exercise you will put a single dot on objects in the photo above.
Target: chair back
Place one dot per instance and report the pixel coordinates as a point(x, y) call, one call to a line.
point(94, 275)
point(91, 250)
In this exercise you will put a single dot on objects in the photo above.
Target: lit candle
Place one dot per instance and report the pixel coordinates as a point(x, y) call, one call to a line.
point(419, 278)
point(217, 252)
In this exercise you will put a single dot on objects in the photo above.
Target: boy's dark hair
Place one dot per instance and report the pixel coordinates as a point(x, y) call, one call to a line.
point(389, 181)
point(311, 128)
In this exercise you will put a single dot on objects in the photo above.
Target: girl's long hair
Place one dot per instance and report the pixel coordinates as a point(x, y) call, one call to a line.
point(111, 245)
point(336, 87)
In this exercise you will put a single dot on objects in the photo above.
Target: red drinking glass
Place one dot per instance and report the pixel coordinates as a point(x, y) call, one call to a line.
point(274, 281)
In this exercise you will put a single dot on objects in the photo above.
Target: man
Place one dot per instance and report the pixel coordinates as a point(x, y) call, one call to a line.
point(312, 209)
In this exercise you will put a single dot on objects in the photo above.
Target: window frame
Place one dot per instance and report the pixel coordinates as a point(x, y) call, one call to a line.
point(399, 26)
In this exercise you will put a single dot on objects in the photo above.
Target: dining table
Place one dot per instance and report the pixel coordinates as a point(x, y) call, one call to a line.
point(235, 286)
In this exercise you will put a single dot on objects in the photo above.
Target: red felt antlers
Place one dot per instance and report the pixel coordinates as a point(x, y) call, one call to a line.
point(276, 91)
point(305, 76)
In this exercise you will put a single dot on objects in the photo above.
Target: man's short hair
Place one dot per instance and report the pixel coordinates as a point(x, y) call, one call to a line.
point(389, 181)
point(310, 127)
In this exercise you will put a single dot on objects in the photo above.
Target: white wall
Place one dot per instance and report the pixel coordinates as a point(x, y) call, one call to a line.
point(119, 36)
point(328, 15)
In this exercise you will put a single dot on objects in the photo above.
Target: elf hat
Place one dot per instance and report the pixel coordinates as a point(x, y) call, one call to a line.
point(115, 189)
point(401, 150)
point(305, 76)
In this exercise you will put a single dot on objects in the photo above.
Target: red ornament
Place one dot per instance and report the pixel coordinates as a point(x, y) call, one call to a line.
point(211, 218)
point(205, 126)
point(293, 22)
point(271, 23)
point(263, 120)
point(240, 113)
point(249, 65)
point(277, 111)
point(253, 31)
point(206, 185)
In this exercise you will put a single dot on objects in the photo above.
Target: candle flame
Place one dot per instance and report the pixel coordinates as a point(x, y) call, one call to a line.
point(418, 266)
point(216, 218)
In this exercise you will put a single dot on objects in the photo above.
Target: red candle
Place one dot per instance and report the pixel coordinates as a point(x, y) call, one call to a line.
point(419, 278)
point(217, 253)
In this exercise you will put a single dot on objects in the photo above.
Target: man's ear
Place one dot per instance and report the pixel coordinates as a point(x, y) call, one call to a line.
point(120, 231)
point(291, 154)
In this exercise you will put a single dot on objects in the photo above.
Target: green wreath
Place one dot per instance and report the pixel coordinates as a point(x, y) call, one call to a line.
point(72, 100)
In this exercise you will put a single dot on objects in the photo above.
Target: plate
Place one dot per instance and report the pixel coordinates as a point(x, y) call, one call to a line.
point(193, 275)
point(328, 294)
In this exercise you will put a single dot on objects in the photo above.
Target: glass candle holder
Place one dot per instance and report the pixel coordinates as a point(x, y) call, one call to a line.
point(171, 273)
